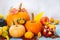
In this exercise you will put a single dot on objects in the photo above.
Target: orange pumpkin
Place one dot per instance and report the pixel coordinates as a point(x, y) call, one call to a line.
point(33, 26)
point(24, 15)
point(21, 14)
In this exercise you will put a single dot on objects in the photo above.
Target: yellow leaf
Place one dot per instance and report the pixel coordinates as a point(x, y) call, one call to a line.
point(38, 16)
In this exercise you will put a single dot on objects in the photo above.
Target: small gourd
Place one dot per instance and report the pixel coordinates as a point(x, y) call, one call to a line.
point(21, 21)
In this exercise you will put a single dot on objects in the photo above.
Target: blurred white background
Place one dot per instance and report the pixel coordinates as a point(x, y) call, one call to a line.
point(50, 7)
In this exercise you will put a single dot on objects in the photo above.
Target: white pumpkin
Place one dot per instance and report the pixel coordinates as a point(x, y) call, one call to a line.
point(17, 31)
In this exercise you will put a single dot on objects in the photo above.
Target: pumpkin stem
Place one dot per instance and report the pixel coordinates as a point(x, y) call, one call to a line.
point(32, 17)
point(20, 7)
point(15, 21)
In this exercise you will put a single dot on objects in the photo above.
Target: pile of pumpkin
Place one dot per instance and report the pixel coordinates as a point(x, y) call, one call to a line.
point(18, 24)
point(21, 25)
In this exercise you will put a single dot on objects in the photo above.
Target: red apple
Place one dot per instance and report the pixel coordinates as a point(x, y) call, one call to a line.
point(44, 20)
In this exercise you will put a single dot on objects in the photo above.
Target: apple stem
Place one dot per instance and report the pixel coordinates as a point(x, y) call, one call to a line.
point(20, 7)
point(32, 17)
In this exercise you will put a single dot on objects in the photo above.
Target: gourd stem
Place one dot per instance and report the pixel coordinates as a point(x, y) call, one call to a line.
point(7, 38)
point(20, 7)
point(15, 21)
point(32, 17)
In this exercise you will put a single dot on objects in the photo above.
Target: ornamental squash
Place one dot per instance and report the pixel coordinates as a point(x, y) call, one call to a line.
point(22, 13)
point(29, 35)
point(21, 21)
